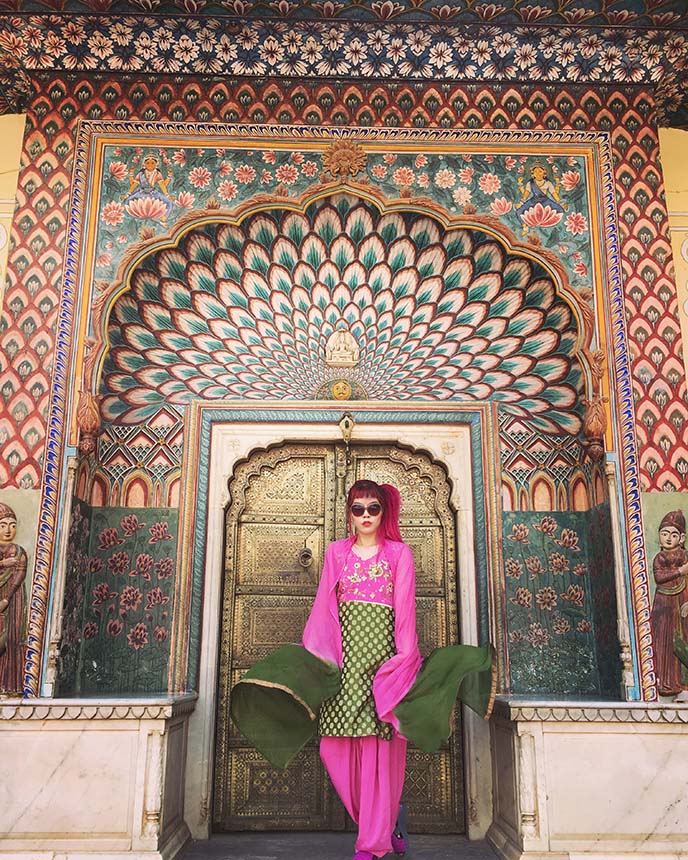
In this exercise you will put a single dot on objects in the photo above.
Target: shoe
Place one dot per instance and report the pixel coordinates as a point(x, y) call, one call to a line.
point(400, 837)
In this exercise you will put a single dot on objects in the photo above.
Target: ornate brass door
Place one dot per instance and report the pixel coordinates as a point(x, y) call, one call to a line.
point(286, 505)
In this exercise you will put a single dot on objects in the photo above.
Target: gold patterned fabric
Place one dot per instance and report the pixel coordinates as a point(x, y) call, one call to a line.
point(367, 642)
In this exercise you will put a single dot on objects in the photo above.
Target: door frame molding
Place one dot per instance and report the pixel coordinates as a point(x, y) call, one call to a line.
point(220, 436)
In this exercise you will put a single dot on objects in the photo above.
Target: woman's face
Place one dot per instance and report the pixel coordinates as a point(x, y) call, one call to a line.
point(670, 537)
point(8, 529)
point(366, 515)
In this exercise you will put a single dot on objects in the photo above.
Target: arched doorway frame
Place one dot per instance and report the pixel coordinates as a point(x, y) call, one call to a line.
point(221, 436)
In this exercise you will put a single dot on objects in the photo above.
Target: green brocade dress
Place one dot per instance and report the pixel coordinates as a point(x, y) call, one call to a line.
point(367, 642)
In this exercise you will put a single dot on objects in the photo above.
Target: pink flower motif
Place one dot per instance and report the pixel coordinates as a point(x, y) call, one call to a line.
point(584, 626)
point(534, 566)
point(164, 567)
point(576, 223)
point(131, 597)
point(580, 269)
point(580, 569)
point(557, 563)
point(114, 627)
point(269, 157)
point(199, 177)
point(179, 157)
point(379, 171)
point(138, 636)
point(118, 563)
point(561, 626)
point(122, 238)
point(158, 532)
point(574, 594)
point(423, 180)
point(445, 178)
point(185, 199)
point(287, 173)
point(297, 157)
point(546, 598)
point(389, 158)
point(118, 169)
point(90, 630)
point(245, 174)
point(547, 525)
point(568, 540)
point(160, 634)
point(103, 260)
point(519, 533)
point(569, 179)
point(227, 190)
point(466, 175)
point(309, 168)
point(522, 597)
point(538, 636)
point(156, 597)
point(147, 207)
point(403, 176)
point(420, 161)
point(563, 248)
point(102, 593)
point(225, 168)
point(265, 177)
point(96, 564)
point(144, 563)
point(500, 206)
point(461, 196)
point(513, 568)
point(509, 162)
point(130, 524)
point(541, 216)
point(489, 183)
point(109, 538)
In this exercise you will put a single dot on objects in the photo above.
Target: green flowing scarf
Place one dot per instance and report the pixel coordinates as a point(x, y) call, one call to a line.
point(277, 702)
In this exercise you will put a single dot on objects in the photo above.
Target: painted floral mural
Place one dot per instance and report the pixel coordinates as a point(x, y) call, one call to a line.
point(126, 585)
point(551, 636)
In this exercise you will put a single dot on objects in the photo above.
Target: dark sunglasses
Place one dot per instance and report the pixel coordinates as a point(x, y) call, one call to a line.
point(373, 509)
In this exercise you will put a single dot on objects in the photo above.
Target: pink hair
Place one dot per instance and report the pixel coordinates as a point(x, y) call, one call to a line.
point(390, 499)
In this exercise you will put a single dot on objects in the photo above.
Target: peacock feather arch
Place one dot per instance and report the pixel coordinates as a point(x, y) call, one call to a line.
point(441, 310)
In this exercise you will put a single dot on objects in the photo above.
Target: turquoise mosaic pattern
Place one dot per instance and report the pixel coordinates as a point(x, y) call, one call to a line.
point(125, 632)
point(438, 313)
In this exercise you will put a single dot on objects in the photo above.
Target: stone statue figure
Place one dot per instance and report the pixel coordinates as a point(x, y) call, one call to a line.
point(341, 349)
point(670, 605)
point(12, 604)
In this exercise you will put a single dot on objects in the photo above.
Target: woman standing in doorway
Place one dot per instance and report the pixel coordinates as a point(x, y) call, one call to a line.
point(364, 620)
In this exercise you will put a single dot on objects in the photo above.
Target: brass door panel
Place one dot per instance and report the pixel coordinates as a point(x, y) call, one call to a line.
point(287, 504)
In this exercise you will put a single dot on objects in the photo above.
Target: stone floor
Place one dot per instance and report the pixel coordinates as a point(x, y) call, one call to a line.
point(327, 846)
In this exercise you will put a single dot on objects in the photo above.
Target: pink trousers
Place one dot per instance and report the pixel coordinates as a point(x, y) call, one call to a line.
point(368, 775)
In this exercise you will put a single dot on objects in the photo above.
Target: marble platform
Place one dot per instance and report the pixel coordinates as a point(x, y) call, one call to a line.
point(82, 779)
point(603, 781)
